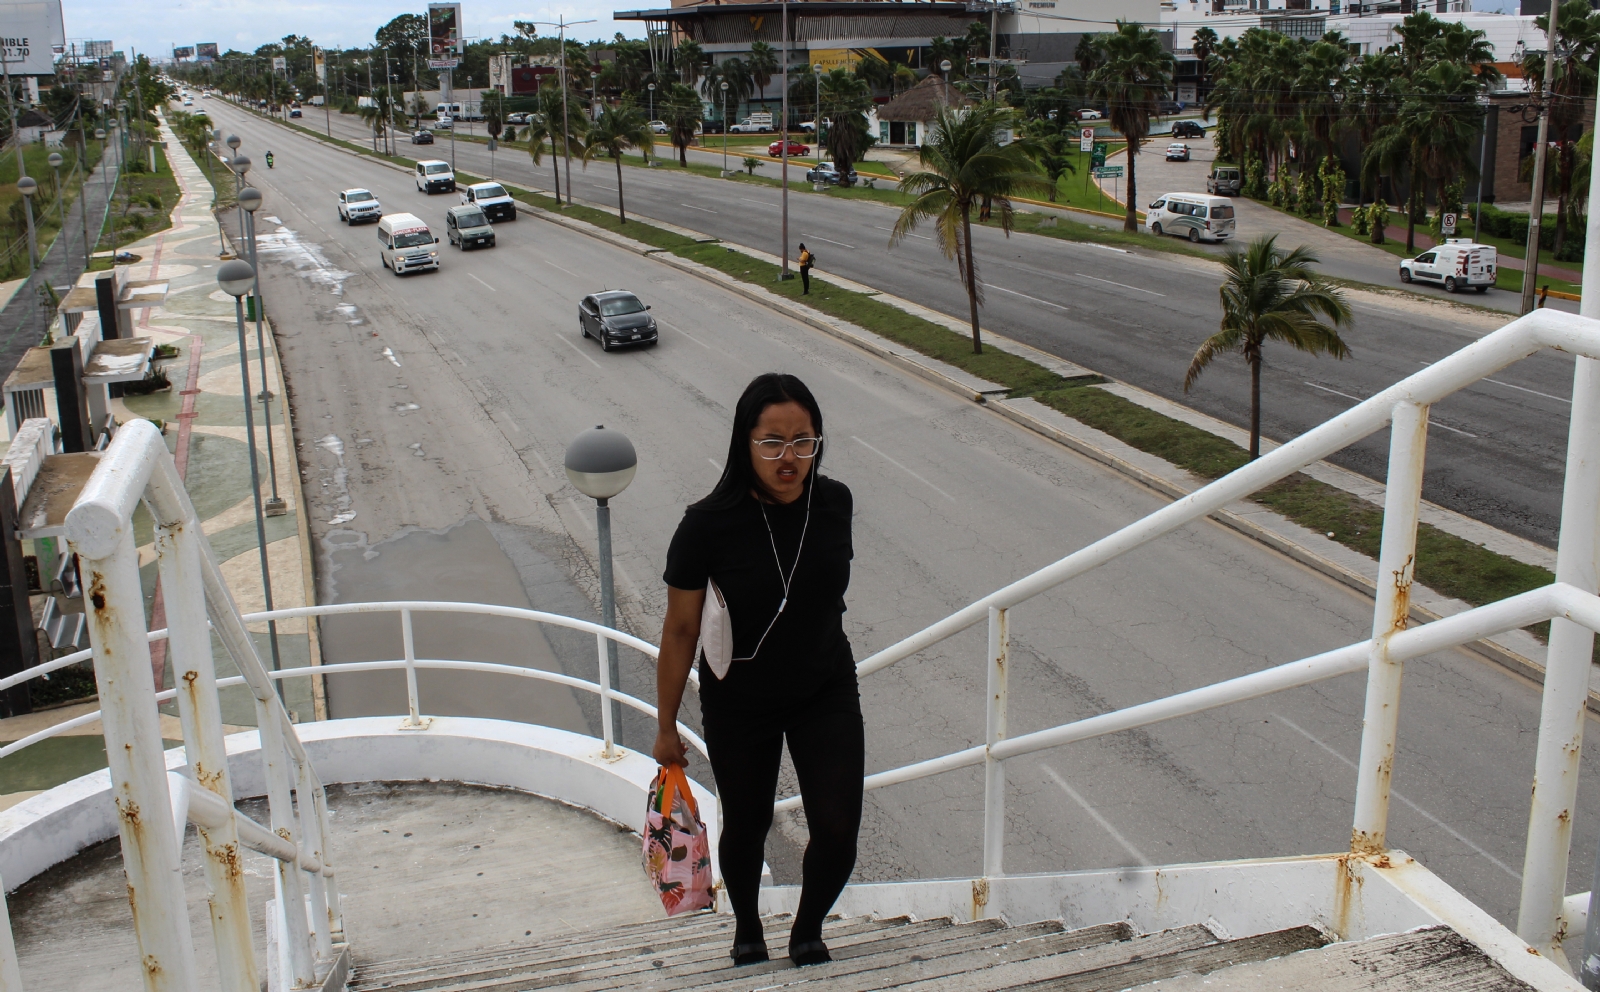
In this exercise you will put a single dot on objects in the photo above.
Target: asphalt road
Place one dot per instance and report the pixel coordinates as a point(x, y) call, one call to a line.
point(1496, 449)
point(432, 412)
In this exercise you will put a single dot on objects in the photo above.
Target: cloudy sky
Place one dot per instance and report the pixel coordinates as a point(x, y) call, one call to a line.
point(246, 24)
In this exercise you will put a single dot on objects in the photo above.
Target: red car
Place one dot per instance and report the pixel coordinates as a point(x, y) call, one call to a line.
point(795, 148)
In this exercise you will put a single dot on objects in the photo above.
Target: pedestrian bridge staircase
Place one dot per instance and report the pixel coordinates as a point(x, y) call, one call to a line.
point(1369, 917)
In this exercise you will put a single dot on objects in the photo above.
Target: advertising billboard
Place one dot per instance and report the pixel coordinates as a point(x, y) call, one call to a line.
point(97, 49)
point(444, 34)
point(30, 34)
point(186, 52)
point(206, 51)
point(280, 63)
point(319, 63)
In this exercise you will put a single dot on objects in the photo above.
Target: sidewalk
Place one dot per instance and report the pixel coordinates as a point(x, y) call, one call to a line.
point(204, 426)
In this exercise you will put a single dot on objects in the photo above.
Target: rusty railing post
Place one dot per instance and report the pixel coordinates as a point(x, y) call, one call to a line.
point(1397, 561)
point(1566, 683)
point(994, 769)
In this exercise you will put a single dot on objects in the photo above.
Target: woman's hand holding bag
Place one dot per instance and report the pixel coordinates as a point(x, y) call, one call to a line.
point(677, 853)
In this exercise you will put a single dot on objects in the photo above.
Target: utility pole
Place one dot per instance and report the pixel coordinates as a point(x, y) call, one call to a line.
point(994, 23)
point(1530, 265)
point(388, 89)
point(784, 196)
point(566, 116)
point(369, 97)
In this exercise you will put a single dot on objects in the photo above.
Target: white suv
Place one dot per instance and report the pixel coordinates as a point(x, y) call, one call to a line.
point(359, 205)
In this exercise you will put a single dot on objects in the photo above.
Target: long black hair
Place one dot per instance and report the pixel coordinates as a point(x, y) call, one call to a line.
point(738, 476)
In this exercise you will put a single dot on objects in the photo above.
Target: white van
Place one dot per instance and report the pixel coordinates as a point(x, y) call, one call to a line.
point(435, 176)
point(447, 110)
point(1458, 263)
point(1196, 216)
point(408, 245)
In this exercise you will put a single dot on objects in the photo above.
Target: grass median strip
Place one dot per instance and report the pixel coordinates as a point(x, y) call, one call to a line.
point(1446, 563)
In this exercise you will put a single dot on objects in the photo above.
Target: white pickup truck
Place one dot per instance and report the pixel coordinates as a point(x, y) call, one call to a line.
point(754, 124)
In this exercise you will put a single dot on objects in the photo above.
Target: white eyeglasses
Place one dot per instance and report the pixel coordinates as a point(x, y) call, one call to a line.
point(771, 449)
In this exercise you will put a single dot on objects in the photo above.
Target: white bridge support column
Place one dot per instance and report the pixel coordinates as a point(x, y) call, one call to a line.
point(99, 529)
point(1397, 560)
point(200, 711)
point(994, 769)
point(1566, 684)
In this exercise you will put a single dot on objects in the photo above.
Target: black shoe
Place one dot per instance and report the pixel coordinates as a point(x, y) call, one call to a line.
point(809, 952)
point(744, 954)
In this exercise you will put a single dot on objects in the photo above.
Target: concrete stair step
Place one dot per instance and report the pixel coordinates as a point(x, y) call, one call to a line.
point(640, 945)
point(1436, 959)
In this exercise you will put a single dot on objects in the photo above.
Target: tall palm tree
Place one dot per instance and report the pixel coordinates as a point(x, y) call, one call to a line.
point(1204, 46)
point(1270, 294)
point(681, 110)
point(618, 129)
point(547, 126)
point(1578, 31)
point(1432, 137)
point(1135, 72)
point(846, 98)
point(687, 57)
point(763, 65)
point(962, 163)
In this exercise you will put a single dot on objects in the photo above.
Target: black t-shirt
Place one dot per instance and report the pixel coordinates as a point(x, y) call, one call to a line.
point(806, 646)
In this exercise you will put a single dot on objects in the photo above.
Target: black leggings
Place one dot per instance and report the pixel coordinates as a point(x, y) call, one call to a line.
point(827, 745)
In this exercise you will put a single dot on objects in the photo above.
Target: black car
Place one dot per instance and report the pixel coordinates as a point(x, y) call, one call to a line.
point(711, 127)
point(422, 137)
point(616, 318)
point(1188, 129)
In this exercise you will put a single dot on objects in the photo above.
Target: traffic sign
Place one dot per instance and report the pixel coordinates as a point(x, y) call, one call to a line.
point(1108, 172)
point(1447, 223)
point(1099, 157)
point(1086, 139)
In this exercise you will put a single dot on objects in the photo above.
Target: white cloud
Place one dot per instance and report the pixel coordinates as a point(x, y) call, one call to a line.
point(247, 24)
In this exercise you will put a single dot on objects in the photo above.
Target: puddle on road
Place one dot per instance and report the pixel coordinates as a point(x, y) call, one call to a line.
point(476, 562)
point(306, 258)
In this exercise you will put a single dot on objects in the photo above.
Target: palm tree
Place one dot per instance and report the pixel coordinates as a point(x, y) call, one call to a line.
point(687, 58)
point(1135, 72)
point(1204, 46)
point(681, 110)
point(847, 98)
point(546, 126)
point(1270, 294)
point(763, 63)
point(962, 163)
point(618, 129)
point(1433, 136)
point(1578, 31)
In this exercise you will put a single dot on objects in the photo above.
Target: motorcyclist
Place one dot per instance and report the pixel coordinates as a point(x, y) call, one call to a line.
point(269, 160)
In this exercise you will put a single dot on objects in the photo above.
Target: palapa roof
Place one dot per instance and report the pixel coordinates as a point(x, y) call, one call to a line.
point(923, 101)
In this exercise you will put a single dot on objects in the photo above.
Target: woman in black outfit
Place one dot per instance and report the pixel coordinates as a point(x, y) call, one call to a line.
point(774, 535)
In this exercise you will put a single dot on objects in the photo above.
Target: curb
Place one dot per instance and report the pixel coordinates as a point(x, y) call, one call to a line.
point(1506, 658)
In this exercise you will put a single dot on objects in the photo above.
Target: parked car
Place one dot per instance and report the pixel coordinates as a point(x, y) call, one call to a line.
point(1089, 115)
point(435, 176)
point(1225, 180)
point(492, 199)
point(1188, 129)
point(616, 318)
point(826, 172)
point(422, 137)
point(659, 127)
point(359, 205)
point(295, 112)
point(1166, 108)
point(811, 126)
point(406, 244)
point(444, 124)
point(711, 127)
point(754, 124)
point(795, 148)
point(1458, 264)
point(467, 227)
point(1177, 152)
point(520, 120)
point(1196, 216)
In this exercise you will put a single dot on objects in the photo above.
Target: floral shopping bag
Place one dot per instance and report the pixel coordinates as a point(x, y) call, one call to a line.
point(677, 854)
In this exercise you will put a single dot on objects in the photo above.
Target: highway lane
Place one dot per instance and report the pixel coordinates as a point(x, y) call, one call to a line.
point(451, 395)
point(1496, 449)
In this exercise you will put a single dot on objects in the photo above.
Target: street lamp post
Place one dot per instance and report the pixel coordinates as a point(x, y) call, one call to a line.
point(236, 278)
point(816, 123)
point(724, 87)
point(250, 200)
point(594, 95)
point(100, 135)
point(600, 464)
point(240, 164)
point(566, 118)
point(55, 161)
point(652, 88)
point(27, 187)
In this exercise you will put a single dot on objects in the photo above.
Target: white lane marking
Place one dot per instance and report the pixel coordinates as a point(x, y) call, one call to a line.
point(1094, 814)
point(542, 463)
point(693, 207)
point(391, 356)
point(1409, 804)
point(841, 244)
point(484, 284)
point(581, 515)
point(1453, 430)
point(902, 468)
point(1334, 392)
point(1027, 297)
point(679, 330)
point(1124, 285)
point(759, 203)
point(577, 349)
point(567, 271)
point(603, 186)
point(891, 231)
point(1523, 389)
point(715, 464)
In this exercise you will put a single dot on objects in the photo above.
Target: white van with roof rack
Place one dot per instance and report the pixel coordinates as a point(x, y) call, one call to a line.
point(1196, 216)
point(1459, 263)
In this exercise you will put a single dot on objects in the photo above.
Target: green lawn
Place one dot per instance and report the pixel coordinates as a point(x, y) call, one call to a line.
point(49, 209)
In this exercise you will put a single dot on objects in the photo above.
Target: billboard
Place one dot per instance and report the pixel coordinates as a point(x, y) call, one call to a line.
point(319, 63)
point(526, 78)
point(30, 33)
point(97, 49)
point(444, 30)
point(183, 53)
point(206, 51)
point(280, 63)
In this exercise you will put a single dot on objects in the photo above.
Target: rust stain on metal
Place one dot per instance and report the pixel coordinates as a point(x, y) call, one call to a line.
point(980, 897)
point(1345, 885)
point(212, 780)
point(1402, 599)
point(1362, 843)
point(129, 811)
point(227, 855)
point(152, 966)
point(1565, 816)
point(285, 834)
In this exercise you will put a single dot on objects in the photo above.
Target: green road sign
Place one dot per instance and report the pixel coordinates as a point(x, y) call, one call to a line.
point(1108, 172)
point(1098, 157)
